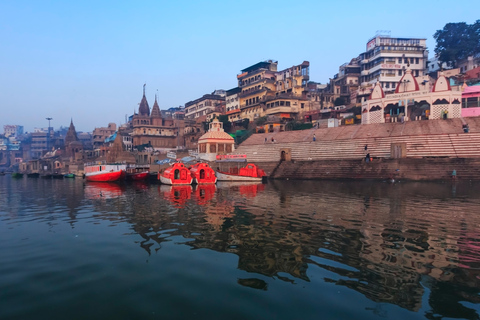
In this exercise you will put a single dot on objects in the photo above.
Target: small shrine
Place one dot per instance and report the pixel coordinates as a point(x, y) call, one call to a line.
point(413, 101)
point(215, 141)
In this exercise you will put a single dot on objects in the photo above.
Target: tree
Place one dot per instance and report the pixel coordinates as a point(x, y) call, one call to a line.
point(457, 41)
point(340, 101)
point(227, 125)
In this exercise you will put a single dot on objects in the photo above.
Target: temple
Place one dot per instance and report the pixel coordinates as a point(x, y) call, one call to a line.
point(413, 101)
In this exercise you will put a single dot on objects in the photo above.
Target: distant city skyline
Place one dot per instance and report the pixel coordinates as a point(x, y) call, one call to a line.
point(88, 61)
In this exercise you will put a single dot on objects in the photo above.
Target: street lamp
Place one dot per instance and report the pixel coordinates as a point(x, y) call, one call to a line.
point(48, 134)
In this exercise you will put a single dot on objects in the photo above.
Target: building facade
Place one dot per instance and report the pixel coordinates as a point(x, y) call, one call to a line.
point(266, 91)
point(411, 101)
point(151, 129)
point(232, 104)
point(204, 105)
point(12, 130)
point(386, 59)
point(100, 134)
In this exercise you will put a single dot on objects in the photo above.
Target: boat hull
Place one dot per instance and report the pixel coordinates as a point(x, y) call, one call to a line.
point(105, 176)
point(171, 182)
point(222, 176)
point(139, 176)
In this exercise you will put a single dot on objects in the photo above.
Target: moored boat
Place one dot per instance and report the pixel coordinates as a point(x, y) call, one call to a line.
point(17, 175)
point(202, 173)
point(69, 175)
point(248, 173)
point(101, 172)
point(33, 175)
point(176, 174)
point(137, 173)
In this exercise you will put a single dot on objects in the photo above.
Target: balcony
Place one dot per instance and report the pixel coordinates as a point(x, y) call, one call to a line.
point(233, 111)
point(281, 110)
point(250, 93)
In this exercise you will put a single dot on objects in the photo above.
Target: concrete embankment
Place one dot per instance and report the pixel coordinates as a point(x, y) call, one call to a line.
point(417, 150)
point(427, 169)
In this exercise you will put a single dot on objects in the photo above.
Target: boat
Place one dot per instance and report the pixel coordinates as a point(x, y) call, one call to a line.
point(202, 173)
point(137, 173)
point(33, 175)
point(176, 174)
point(248, 173)
point(69, 175)
point(57, 176)
point(102, 172)
point(17, 175)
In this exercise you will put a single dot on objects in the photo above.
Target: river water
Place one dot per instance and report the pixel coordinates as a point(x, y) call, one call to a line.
point(282, 250)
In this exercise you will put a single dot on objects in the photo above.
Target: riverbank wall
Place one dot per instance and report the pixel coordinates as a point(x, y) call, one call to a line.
point(415, 150)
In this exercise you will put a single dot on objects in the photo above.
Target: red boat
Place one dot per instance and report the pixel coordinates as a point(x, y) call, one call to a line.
point(202, 173)
point(176, 174)
point(102, 172)
point(137, 173)
point(249, 173)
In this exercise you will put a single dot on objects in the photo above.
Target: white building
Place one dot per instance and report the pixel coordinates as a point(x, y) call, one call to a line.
point(386, 59)
point(12, 130)
point(232, 106)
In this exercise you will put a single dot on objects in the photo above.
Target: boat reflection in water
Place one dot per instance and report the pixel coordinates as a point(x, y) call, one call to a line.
point(245, 188)
point(103, 190)
point(177, 195)
point(204, 193)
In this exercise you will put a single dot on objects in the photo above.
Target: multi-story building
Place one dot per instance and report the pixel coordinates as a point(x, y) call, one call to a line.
point(100, 134)
point(386, 59)
point(232, 104)
point(86, 139)
point(346, 82)
point(204, 105)
point(12, 130)
point(266, 91)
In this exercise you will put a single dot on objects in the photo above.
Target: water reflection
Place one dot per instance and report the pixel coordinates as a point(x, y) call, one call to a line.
point(400, 243)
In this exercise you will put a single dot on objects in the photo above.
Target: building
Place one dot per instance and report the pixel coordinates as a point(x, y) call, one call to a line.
point(73, 146)
point(232, 104)
point(412, 101)
point(266, 91)
point(204, 105)
point(12, 130)
point(86, 139)
point(215, 141)
point(386, 60)
point(151, 129)
point(346, 82)
point(100, 134)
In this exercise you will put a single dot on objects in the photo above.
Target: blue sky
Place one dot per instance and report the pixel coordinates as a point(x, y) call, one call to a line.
point(88, 60)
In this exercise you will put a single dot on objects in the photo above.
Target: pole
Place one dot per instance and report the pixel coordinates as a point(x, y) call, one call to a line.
point(48, 134)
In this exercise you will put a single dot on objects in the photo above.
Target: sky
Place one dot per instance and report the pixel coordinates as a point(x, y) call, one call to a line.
point(88, 60)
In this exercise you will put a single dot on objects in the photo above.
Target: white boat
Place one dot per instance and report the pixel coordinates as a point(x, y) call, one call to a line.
point(249, 173)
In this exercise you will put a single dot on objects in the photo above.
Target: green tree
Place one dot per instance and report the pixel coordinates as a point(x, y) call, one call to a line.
point(340, 101)
point(227, 125)
point(457, 41)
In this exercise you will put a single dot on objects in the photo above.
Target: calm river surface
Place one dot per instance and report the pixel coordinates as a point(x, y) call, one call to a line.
point(283, 250)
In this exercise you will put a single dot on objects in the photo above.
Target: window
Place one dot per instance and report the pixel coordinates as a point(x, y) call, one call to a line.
point(302, 105)
point(399, 72)
point(399, 60)
point(417, 61)
point(288, 103)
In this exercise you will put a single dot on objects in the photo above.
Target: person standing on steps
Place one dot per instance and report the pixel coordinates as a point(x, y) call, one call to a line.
point(314, 138)
point(367, 158)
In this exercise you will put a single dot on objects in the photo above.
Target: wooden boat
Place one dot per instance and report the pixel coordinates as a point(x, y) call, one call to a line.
point(57, 176)
point(101, 172)
point(248, 173)
point(176, 174)
point(17, 175)
point(69, 175)
point(137, 173)
point(202, 173)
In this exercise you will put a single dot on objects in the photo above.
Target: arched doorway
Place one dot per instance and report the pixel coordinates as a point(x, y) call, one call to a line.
point(419, 111)
point(283, 156)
